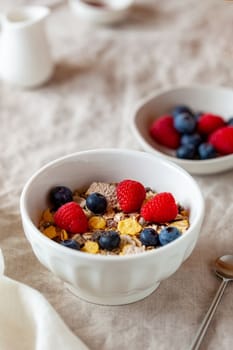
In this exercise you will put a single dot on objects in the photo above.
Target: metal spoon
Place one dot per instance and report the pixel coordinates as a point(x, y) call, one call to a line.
point(223, 269)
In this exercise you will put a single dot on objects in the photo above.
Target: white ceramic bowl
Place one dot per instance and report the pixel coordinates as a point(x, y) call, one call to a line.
point(111, 280)
point(217, 100)
point(114, 11)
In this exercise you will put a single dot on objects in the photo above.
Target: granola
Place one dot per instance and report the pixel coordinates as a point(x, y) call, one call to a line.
point(111, 231)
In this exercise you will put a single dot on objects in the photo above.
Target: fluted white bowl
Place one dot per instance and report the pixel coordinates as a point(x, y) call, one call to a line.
point(111, 280)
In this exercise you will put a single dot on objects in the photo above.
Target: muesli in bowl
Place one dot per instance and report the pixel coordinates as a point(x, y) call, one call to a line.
point(113, 218)
point(111, 279)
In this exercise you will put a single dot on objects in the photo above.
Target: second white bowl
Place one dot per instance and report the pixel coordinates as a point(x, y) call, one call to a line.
point(112, 11)
point(217, 100)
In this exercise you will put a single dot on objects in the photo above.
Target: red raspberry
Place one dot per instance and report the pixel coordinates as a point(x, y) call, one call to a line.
point(208, 123)
point(71, 218)
point(130, 195)
point(162, 131)
point(161, 208)
point(222, 140)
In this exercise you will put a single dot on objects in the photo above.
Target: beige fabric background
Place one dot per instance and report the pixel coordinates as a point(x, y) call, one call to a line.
point(101, 73)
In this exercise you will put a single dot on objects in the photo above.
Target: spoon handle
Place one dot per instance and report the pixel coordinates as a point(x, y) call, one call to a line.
point(208, 317)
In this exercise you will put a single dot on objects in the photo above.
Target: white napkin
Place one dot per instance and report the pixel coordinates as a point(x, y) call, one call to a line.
point(28, 321)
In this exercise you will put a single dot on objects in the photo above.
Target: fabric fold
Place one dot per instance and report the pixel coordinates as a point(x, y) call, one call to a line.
point(29, 322)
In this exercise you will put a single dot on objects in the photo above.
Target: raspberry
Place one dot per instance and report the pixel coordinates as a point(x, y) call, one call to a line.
point(208, 123)
point(222, 140)
point(71, 217)
point(160, 209)
point(163, 132)
point(130, 195)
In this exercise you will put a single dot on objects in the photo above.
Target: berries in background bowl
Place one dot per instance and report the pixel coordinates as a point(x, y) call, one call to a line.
point(191, 139)
point(181, 109)
point(184, 123)
point(222, 140)
point(187, 151)
point(230, 122)
point(193, 136)
point(194, 99)
point(164, 132)
point(207, 151)
point(208, 123)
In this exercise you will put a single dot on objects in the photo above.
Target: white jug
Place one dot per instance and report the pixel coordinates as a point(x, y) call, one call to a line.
point(25, 59)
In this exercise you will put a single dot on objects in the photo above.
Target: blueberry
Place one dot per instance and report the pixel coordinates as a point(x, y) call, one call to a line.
point(60, 195)
point(109, 240)
point(191, 139)
point(168, 234)
point(185, 123)
point(149, 237)
point(230, 121)
point(181, 109)
point(186, 152)
point(206, 151)
point(96, 203)
point(71, 243)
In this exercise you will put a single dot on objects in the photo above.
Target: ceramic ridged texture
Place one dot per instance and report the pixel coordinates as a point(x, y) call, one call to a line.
point(101, 73)
point(130, 279)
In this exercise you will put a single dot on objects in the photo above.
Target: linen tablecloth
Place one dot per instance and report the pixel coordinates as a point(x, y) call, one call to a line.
point(101, 72)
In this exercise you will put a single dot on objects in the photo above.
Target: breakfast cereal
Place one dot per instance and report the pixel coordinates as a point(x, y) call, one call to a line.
point(113, 218)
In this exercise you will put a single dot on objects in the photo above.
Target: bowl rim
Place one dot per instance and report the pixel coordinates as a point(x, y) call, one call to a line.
point(102, 10)
point(158, 93)
point(75, 253)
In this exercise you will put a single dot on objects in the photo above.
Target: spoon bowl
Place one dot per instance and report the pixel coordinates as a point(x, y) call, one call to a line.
point(224, 267)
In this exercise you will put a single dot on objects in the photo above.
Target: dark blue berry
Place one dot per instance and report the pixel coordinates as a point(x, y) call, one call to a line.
point(71, 243)
point(230, 121)
point(149, 237)
point(109, 240)
point(168, 234)
point(185, 123)
point(96, 203)
point(186, 152)
point(191, 139)
point(181, 109)
point(60, 195)
point(206, 151)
